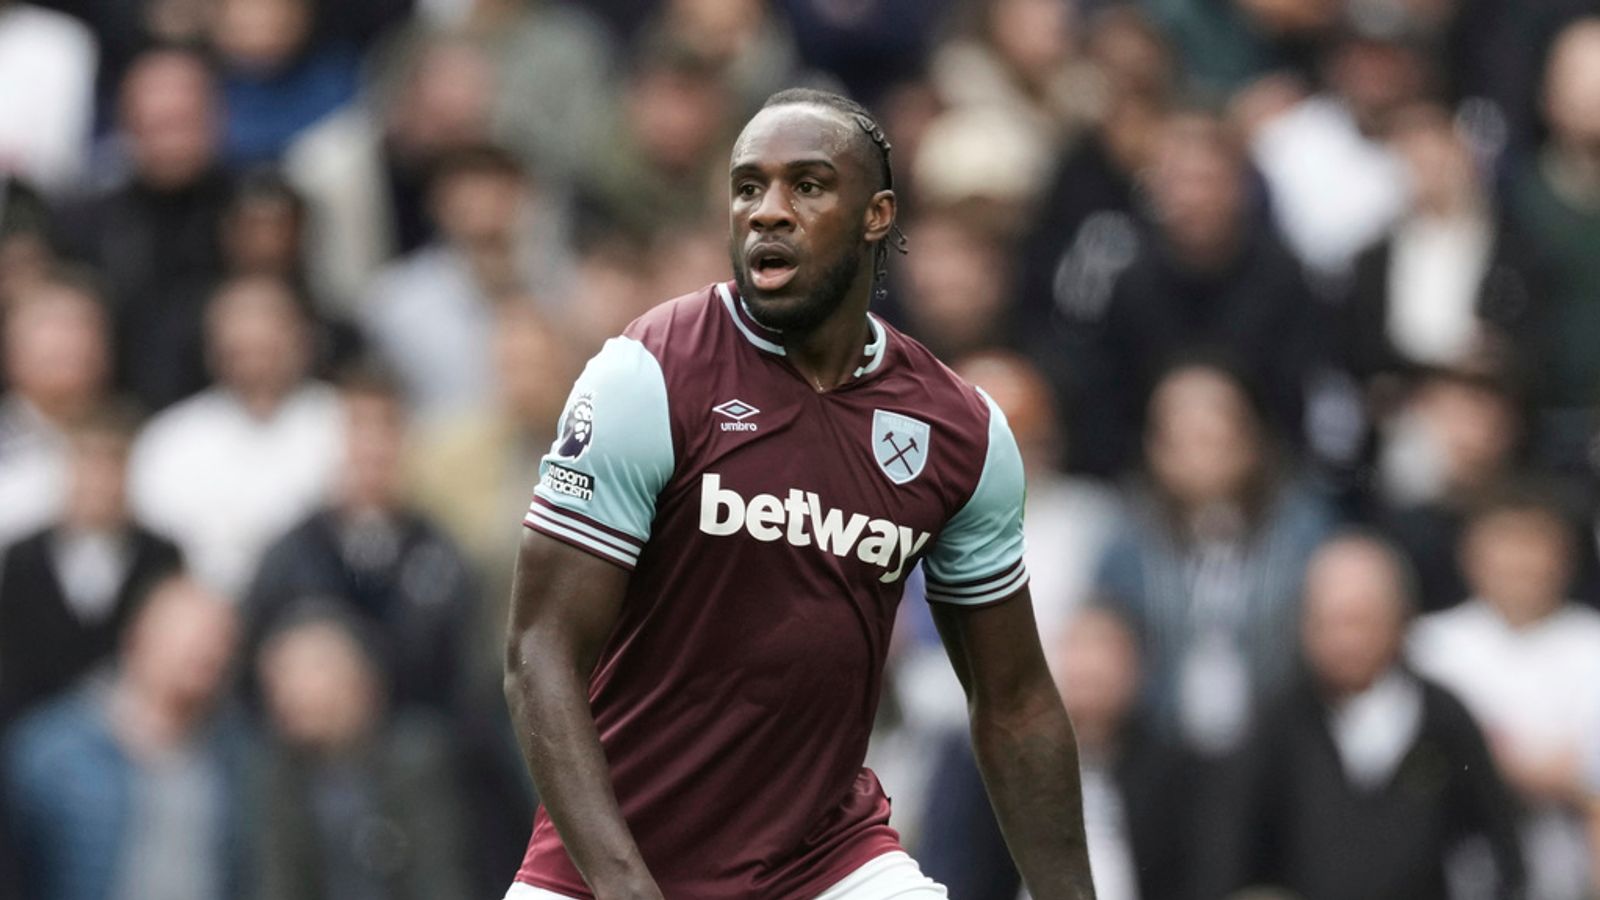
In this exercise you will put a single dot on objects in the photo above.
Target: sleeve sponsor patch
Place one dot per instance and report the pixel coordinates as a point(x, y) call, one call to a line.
point(571, 482)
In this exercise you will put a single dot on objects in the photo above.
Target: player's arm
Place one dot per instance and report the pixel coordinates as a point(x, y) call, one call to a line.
point(564, 605)
point(1023, 741)
point(977, 589)
point(589, 520)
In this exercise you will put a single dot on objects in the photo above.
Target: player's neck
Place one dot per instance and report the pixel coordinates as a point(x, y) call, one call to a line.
point(829, 355)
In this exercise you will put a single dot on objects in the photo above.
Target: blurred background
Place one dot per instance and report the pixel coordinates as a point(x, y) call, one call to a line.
point(1294, 306)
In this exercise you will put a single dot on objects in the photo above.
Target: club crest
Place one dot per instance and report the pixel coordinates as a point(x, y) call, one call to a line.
point(899, 444)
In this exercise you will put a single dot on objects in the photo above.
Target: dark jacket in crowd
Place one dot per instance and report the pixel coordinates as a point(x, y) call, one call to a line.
point(1287, 814)
point(44, 645)
point(1255, 313)
point(158, 255)
point(1504, 302)
point(385, 823)
point(409, 583)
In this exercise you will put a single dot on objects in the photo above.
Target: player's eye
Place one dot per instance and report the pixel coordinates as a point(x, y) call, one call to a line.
point(745, 189)
point(808, 188)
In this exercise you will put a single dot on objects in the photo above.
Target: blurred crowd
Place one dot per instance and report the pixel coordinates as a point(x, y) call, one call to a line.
point(1293, 305)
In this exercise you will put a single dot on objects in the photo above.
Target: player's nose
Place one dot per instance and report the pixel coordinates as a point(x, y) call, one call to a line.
point(773, 211)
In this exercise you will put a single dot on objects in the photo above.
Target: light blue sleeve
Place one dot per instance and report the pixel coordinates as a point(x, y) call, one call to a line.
point(978, 557)
point(611, 458)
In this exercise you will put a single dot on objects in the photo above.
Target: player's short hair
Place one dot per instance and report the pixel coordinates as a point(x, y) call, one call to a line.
point(850, 109)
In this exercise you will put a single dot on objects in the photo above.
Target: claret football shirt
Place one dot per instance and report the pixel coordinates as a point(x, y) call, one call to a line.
point(769, 530)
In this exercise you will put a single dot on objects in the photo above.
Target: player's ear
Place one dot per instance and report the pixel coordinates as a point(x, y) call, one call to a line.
point(879, 217)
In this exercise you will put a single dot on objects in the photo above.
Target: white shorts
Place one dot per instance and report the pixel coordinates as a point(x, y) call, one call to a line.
point(892, 876)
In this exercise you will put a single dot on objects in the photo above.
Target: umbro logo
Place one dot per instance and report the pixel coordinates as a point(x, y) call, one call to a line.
point(736, 411)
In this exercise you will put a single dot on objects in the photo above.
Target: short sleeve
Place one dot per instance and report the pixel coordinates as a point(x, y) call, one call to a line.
point(978, 557)
point(598, 484)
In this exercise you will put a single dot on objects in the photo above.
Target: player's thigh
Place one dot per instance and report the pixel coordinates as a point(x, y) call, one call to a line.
point(893, 876)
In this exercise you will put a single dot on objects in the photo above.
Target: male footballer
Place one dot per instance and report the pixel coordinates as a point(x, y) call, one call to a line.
point(718, 542)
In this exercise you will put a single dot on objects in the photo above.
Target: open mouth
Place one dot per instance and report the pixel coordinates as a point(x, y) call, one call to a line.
point(771, 267)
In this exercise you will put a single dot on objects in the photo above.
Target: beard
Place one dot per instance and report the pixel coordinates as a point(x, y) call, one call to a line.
point(803, 315)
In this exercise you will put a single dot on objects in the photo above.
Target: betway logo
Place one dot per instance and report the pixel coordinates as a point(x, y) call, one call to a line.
point(800, 519)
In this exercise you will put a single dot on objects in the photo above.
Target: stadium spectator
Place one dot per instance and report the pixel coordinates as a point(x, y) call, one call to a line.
point(277, 79)
point(1454, 441)
point(45, 126)
point(154, 239)
point(1208, 561)
point(1067, 521)
point(660, 164)
point(429, 314)
point(1553, 200)
point(1019, 57)
point(746, 39)
point(264, 234)
point(556, 70)
point(1444, 285)
point(1371, 71)
point(1365, 780)
point(68, 592)
point(226, 471)
point(1526, 661)
point(365, 170)
point(369, 552)
point(57, 364)
point(1067, 264)
point(154, 807)
point(1085, 230)
point(1208, 274)
point(955, 290)
point(354, 801)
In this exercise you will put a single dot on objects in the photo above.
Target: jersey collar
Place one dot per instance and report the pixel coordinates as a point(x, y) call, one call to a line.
point(766, 339)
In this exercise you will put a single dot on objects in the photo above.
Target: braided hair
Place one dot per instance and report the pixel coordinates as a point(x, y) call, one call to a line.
point(873, 132)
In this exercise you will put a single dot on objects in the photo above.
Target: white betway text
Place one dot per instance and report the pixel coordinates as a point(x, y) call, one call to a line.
point(800, 519)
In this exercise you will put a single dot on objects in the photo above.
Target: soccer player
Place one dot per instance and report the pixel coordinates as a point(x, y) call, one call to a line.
point(715, 551)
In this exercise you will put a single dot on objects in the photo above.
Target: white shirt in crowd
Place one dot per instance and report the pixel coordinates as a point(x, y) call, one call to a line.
point(1434, 280)
point(1375, 729)
point(1538, 689)
point(47, 68)
point(225, 484)
point(1327, 221)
